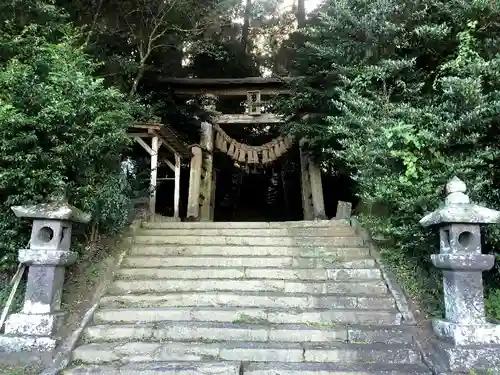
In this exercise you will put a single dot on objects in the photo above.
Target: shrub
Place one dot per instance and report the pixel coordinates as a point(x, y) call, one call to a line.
point(58, 124)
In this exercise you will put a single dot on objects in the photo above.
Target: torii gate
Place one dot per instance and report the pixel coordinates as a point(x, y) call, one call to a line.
point(252, 90)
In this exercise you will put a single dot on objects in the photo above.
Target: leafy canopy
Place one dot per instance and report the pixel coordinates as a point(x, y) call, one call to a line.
point(58, 124)
point(407, 95)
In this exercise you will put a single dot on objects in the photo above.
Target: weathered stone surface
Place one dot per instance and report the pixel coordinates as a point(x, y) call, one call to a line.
point(182, 273)
point(335, 317)
point(279, 368)
point(259, 352)
point(148, 315)
point(247, 224)
point(12, 344)
point(332, 231)
point(352, 353)
point(47, 257)
point(53, 211)
point(43, 290)
point(463, 358)
point(309, 306)
point(250, 240)
point(33, 324)
point(155, 368)
point(260, 285)
point(312, 316)
point(462, 262)
point(245, 261)
point(322, 252)
point(228, 299)
point(344, 210)
point(460, 334)
point(210, 332)
point(393, 335)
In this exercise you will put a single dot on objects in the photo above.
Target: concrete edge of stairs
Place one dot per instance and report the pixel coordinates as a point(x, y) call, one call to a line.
point(401, 298)
point(423, 338)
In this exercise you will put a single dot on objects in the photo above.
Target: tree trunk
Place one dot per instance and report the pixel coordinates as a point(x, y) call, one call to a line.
point(245, 34)
point(301, 13)
point(138, 77)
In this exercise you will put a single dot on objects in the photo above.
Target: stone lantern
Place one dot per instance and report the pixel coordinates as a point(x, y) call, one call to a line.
point(472, 340)
point(47, 256)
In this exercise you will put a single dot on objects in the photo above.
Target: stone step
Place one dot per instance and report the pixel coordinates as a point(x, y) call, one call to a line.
point(155, 368)
point(248, 285)
point(263, 300)
point(336, 231)
point(246, 224)
point(329, 253)
point(317, 317)
point(280, 368)
point(211, 332)
point(232, 368)
point(140, 351)
point(251, 273)
point(246, 261)
point(250, 240)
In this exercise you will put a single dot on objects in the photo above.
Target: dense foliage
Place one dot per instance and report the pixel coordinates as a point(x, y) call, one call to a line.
point(407, 96)
point(59, 124)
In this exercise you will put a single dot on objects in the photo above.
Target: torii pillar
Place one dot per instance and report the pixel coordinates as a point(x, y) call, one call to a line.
point(313, 203)
point(207, 188)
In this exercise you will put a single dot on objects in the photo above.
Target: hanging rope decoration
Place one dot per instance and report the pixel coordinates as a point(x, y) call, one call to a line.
point(242, 153)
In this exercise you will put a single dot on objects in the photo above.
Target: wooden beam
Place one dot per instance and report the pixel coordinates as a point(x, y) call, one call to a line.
point(146, 126)
point(142, 135)
point(170, 165)
point(265, 118)
point(229, 91)
point(154, 175)
point(145, 146)
point(177, 189)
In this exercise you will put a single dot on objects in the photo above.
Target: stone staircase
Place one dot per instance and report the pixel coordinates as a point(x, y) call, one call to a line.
point(248, 298)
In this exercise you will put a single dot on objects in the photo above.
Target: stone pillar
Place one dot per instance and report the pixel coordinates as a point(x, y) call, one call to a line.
point(462, 262)
point(48, 255)
point(344, 210)
point(193, 209)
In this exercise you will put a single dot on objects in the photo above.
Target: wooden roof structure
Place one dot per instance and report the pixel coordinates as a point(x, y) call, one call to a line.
point(170, 137)
point(228, 86)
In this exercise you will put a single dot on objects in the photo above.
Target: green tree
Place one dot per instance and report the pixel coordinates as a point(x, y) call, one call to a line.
point(406, 96)
point(58, 124)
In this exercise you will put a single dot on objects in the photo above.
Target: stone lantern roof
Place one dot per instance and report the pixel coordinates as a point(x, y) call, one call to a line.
point(52, 211)
point(459, 209)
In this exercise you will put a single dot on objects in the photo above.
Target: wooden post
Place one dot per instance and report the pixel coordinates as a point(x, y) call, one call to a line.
point(177, 189)
point(212, 198)
point(316, 191)
point(193, 209)
point(154, 174)
point(207, 144)
point(307, 206)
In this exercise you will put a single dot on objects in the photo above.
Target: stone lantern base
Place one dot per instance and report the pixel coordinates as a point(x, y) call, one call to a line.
point(15, 344)
point(463, 358)
point(460, 334)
